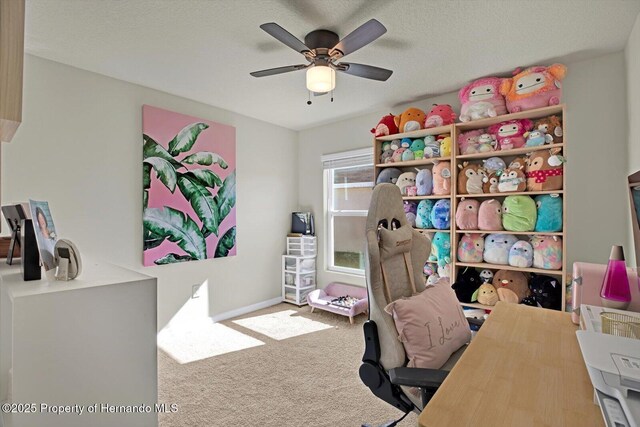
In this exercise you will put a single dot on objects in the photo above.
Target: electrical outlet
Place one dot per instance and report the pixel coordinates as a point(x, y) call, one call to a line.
point(194, 291)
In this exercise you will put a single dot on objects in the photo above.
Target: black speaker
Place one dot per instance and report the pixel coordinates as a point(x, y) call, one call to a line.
point(29, 254)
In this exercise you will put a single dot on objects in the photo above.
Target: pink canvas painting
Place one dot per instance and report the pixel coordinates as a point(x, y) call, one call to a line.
point(189, 188)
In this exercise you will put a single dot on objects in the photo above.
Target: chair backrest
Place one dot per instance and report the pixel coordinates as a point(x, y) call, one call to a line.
point(386, 205)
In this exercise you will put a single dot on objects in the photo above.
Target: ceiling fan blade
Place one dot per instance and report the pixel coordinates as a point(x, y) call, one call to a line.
point(279, 70)
point(361, 36)
point(366, 71)
point(284, 36)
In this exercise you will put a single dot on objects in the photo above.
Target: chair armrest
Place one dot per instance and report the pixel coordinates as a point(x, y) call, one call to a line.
point(418, 377)
point(475, 322)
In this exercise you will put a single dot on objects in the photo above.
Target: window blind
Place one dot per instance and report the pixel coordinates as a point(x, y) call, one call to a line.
point(360, 157)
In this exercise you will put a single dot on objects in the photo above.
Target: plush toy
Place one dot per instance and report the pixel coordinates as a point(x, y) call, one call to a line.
point(470, 178)
point(549, 213)
point(497, 246)
point(519, 213)
point(424, 182)
point(551, 125)
point(389, 175)
point(544, 170)
point(397, 155)
point(417, 147)
point(411, 119)
point(518, 163)
point(445, 146)
point(440, 249)
point(428, 269)
point(546, 292)
point(490, 183)
point(444, 271)
point(537, 137)
point(386, 156)
point(442, 178)
point(521, 254)
point(512, 180)
point(405, 143)
point(439, 115)
point(481, 98)
point(535, 87)
point(440, 214)
point(407, 155)
point(386, 126)
point(467, 214)
point(410, 209)
point(423, 216)
point(510, 134)
point(490, 215)
point(406, 179)
point(468, 141)
point(431, 147)
point(467, 282)
point(471, 248)
point(511, 286)
point(494, 164)
point(432, 279)
point(486, 142)
point(547, 252)
point(486, 295)
point(486, 276)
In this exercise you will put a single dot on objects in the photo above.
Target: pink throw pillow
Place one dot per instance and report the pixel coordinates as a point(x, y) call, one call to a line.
point(430, 325)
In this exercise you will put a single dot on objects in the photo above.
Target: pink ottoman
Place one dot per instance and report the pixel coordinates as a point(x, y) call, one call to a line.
point(321, 298)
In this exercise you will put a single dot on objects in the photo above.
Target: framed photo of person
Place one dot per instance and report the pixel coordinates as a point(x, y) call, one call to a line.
point(45, 232)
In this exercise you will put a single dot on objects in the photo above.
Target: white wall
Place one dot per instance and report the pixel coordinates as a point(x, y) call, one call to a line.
point(80, 148)
point(595, 93)
point(632, 56)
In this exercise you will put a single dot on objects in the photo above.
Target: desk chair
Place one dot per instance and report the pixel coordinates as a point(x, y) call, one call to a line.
point(389, 277)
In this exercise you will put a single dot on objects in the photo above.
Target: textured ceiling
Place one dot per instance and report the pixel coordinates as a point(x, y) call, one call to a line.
point(204, 50)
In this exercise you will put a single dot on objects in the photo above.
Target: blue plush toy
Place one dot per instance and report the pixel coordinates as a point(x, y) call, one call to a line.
point(417, 147)
point(423, 216)
point(410, 209)
point(440, 249)
point(549, 213)
point(441, 213)
point(521, 254)
point(497, 246)
point(407, 155)
point(405, 143)
point(424, 182)
point(389, 175)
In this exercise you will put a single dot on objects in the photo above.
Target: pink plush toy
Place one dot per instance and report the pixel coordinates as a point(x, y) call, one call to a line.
point(490, 216)
point(397, 155)
point(468, 142)
point(535, 87)
point(510, 134)
point(467, 214)
point(547, 252)
point(442, 178)
point(386, 126)
point(471, 248)
point(440, 115)
point(481, 98)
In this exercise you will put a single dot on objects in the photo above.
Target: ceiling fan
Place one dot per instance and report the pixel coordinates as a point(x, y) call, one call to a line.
point(322, 49)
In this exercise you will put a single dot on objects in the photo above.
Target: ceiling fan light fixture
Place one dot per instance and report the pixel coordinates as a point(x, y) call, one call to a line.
point(321, 78)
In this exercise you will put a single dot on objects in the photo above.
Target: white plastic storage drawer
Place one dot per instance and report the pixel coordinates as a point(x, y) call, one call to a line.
point(301, 246)
point(302, 280)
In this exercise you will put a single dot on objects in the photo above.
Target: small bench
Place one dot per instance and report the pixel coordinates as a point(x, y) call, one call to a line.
point(321, 299)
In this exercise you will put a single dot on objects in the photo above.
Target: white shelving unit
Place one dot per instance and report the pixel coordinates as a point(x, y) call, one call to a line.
point(299, 269)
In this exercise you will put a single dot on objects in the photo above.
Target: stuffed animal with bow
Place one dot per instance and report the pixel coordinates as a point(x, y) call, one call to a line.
point(535, 87)
point(544, 170)
point(481, 98)
point(439, 115)
point(510, 134)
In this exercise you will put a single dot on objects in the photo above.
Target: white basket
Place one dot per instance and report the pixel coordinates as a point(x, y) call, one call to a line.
point(302, 246)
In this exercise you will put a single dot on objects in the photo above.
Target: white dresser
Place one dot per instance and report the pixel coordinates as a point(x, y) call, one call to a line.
point(84, 342)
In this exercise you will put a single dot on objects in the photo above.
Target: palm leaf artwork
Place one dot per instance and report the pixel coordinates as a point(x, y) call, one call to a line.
point(200, 184)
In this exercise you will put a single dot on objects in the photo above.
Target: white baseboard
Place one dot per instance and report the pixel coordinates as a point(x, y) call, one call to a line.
point(244, 310)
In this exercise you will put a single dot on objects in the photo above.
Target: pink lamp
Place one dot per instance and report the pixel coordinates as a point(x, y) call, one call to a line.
point(615, 292)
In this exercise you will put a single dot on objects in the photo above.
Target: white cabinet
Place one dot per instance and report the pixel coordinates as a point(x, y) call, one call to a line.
point(299, 269)
point(83, 342)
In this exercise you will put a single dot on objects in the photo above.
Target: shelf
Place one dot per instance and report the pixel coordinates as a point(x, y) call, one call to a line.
point(529, 114)
point(409, 163)
point(477, 305)
point(300, 256)
point(433, 196)
point(517, 233)
point(514, 152)
point(523, 193)
point(431, 230)
point(304, 288)
point(299, 272)
point(484, 265)
point(418, 133)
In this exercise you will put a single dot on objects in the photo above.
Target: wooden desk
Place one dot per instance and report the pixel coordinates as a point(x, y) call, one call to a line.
point(524, 368)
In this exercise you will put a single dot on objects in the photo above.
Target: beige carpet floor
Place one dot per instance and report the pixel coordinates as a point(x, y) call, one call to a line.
point(307, 380)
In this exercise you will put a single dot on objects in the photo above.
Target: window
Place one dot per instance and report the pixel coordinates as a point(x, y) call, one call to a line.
point(348, 183)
